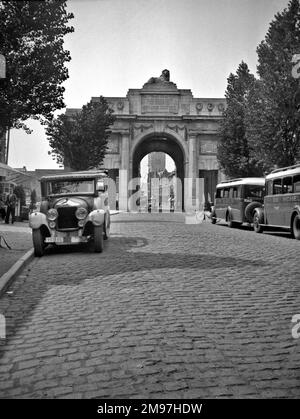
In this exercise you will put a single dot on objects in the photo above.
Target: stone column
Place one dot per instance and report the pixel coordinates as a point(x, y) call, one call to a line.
point(124, 173)
point(190, 182)
point(193, 156)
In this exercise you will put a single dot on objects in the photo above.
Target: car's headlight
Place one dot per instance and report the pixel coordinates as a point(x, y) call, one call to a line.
point(52, 224)
point(81, 213)
point(52, 214)
point(80, 223)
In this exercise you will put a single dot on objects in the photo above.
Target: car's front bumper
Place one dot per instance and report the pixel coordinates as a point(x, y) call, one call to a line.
point(66, 237)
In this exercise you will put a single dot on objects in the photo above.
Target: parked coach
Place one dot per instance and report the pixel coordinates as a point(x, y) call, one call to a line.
point(281, 203)
point(236, 200)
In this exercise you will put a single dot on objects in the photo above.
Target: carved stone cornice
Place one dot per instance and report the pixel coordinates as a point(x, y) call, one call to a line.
point(142, 127)
point(178, 129)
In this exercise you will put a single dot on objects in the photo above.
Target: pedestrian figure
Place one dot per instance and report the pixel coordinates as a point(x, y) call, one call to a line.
point(11, 202)
point(2, 209)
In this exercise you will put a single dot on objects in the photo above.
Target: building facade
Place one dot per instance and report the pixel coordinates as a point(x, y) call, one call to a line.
point(159, 117)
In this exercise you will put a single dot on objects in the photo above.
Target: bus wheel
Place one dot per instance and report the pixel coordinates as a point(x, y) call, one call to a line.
point(249, 210)
point(296, 227)
point(213, 217)
point(230, 221)
point(258, 228)
point(106, 226)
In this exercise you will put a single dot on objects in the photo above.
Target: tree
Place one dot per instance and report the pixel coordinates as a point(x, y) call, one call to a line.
point(33, 198)
point(80, 141)
point(20, 194)
point(272, 119)
point(234, 154)
point(31, 40)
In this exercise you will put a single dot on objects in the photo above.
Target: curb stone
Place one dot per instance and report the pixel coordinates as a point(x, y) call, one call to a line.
point(7, 278)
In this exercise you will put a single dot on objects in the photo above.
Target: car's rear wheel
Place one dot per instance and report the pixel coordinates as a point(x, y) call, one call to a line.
point(98, 239)
point(296, 227)
point(38, 242)
point(258, 228)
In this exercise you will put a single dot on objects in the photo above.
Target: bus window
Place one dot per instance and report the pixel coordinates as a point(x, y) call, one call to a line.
point(269, 187)
point(235, 192)
point(226, 193)
point(287, 185)
point(219, 193)
point(253, 191)
point(296, 182)
point(277, 187)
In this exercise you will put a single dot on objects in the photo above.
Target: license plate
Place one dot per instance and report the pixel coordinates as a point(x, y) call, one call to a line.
point(54, 240)
point(75, 239)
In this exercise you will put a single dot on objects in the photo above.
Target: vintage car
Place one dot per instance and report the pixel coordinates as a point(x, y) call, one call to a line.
point(74, 209)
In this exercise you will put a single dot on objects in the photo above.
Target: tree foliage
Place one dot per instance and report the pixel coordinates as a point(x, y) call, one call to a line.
point(80, 140)
point(272, 120)
point(235, 156)
point(33, 196)
point(31, 40)
point(20, 194)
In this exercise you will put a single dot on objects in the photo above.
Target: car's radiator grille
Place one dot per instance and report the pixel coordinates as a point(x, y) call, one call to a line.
point(66, 218)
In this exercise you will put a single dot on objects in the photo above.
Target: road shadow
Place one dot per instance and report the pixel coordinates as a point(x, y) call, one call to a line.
point(121, 256)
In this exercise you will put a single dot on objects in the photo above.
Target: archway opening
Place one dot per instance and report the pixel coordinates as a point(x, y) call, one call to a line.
point(158, 163)
point(157, 183)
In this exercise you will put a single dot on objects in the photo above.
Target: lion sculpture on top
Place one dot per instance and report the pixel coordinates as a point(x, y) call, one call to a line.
point(163, 78)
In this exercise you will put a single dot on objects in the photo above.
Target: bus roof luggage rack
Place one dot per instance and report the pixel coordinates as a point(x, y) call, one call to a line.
point(286, 168)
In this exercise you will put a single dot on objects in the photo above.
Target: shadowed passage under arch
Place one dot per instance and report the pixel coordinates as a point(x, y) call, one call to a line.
point(159, 143)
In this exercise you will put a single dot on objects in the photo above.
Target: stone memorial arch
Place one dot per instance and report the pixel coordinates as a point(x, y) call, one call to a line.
point(161, 117)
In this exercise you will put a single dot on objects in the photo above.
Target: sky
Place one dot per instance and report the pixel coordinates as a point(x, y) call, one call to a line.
point(120, 44)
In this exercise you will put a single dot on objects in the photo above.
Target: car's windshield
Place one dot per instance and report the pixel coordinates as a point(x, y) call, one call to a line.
point(61, 187)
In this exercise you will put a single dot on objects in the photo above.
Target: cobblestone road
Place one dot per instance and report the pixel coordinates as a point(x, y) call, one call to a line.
point(169, 310)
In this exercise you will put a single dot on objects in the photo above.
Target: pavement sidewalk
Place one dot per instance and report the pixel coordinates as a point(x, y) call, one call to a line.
point(15, 251)
point(18, 237)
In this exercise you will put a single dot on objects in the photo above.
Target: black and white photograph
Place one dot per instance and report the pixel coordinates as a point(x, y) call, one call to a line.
point(150, 203)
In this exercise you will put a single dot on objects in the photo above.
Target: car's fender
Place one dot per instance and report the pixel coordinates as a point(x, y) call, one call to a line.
point(96, 217)
point(38, 219)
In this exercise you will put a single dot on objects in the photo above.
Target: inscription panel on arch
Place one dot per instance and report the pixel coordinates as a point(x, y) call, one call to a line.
point(160, 104)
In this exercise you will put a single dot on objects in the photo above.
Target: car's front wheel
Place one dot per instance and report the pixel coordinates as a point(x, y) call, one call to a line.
point(98, 239)
point(38, 242)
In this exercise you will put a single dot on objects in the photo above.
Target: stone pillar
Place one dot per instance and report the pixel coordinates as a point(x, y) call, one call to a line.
point(193, 160)
point(190, 182)
point(124, 173)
